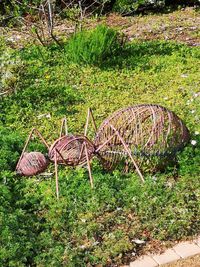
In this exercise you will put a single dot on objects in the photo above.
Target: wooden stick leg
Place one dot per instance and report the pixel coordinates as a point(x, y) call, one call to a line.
point(89, 168)
point(90, 114)
point(64, 127)
point(27, 142)
point(132, 159)
point(87, 122)
point(93, 121)
point(81, 152)
point(64, 161)
point(56, 175)
point(126, 166)
point(129, 153)
point(24, 149)
point(41, 137)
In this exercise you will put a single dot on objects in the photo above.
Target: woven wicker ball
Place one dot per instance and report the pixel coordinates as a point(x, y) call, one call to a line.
point(71, 149)
point(32, 163)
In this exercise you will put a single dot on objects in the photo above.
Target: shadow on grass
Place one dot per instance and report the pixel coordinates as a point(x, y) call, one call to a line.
point(139, 54)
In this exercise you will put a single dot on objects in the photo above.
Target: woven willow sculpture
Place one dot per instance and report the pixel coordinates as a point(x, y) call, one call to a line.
point(146, 130)
point(140, 131)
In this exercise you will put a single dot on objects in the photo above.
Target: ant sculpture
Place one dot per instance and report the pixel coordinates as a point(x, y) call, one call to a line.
point(145, 130)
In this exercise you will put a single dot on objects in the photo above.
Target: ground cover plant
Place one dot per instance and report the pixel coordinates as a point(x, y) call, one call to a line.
point(101, 226)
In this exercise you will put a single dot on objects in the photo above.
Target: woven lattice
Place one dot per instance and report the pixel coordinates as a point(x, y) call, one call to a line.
point(148, 130)
point(71, 150)
point(32, 163)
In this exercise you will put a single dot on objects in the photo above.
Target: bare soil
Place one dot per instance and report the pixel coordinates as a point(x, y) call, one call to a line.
point(190, 262)
point(181, 26)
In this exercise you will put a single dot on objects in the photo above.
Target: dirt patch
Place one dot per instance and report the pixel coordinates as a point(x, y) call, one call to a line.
point(192, 262)
point(181, 26)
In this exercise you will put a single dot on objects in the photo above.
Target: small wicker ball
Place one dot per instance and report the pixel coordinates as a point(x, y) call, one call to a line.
point(32, 163)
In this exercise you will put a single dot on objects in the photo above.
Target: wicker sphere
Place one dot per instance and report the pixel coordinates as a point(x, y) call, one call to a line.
point(32, 163)
point(147, 130)
point(71, 150)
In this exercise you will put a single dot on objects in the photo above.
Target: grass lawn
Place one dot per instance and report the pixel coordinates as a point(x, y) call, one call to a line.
point(101, 226)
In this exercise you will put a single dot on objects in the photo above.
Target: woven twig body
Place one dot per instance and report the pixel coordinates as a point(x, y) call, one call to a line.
point(32, 163)
point(70, 150)
point(148, 130)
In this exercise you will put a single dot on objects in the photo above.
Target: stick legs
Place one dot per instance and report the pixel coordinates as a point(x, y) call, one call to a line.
point(89, 168)
point(90, 114)
point(56, 175)
point(64, 127)
point(126, 149)
point(132, 159)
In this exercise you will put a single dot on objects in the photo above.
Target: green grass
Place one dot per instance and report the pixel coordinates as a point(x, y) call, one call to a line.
point(86, 227)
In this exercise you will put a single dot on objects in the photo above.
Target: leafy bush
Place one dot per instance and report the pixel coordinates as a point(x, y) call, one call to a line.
point(10, 146)
point(18, 8)
point(127, 7)
point(93, 47)
point(10, 66)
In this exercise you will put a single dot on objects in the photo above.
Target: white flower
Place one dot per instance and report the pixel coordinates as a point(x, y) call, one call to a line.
point(193, 142)
point(196, 133)
point(192, 111)
point(138, 241)
point(169, 184)
point(184, 75)
point(95, 243)
point(82, 246)
point(197, 94)
point(154, 178)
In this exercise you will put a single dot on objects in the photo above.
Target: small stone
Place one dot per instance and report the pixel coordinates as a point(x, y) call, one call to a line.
point(186, 249)
point(145, 261)
point(168, 256)
point(139, 242)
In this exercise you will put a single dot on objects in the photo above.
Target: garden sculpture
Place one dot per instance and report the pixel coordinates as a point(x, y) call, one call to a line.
point(145, 130)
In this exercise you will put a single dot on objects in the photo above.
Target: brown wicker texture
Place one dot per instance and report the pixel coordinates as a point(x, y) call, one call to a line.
point(70, 150)
point(130, 134)
point(147, 130)
point(32, 163)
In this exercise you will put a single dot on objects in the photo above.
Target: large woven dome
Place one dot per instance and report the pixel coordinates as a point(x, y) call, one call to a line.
point(148, 130)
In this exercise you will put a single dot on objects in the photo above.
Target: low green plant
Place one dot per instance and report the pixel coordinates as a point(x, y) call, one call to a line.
point(90, 227)
point(128, 6)
point(10, 66)
point(94, 46)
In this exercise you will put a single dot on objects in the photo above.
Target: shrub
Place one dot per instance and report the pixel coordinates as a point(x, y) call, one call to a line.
point(10, 66)
point(93, 47)
point(127, 7)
